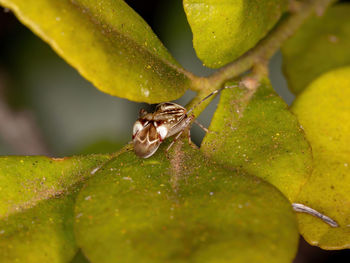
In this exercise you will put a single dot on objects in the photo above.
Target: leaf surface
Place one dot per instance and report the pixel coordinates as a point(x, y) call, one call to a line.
point(323, 109)
point(181, 209)
point(224, 30)
point(36, 206)
point(108, 43)
point(254, 130)
point(321, 44)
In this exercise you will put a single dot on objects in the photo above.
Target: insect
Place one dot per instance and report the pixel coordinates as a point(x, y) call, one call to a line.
point(168, 119)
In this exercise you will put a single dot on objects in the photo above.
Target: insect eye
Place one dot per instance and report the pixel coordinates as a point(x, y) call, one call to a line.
point(137, 127)
point(142, 113)
point(162, 131)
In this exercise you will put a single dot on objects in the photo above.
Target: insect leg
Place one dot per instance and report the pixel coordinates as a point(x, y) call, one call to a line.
point(189, 140)
point(175, 139)
point(187, 123)
point(201, 126)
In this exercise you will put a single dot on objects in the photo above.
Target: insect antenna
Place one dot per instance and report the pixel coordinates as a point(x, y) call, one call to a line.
point(208, 96)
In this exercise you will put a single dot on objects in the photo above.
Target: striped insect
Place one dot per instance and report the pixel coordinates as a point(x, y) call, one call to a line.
point(168, 119)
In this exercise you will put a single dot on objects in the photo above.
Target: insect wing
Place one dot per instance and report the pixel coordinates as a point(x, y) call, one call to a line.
point(169, 111)
point(171, 117)
point(138, 126)
point(146, 141)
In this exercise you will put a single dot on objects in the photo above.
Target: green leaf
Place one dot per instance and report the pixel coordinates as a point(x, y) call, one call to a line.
point(36, 206)
point(253, 130)
point(43, 233)
point(181, 209)
point(224, 30)
point(322, 44)
point(108, 43)
point(323, 109)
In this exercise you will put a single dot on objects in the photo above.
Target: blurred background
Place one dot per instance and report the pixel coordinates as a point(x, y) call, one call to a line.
point(47, 108)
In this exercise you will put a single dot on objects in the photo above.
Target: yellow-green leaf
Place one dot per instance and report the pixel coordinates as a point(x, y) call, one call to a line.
point(108, 43)
point(224, 30)
point(323, 109)
point(43, 233)
point(36, 206)
point(181, 209)
point(254, 130)
point(322, 44)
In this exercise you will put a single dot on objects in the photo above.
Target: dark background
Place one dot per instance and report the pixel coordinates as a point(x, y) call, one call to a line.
point(46, 107)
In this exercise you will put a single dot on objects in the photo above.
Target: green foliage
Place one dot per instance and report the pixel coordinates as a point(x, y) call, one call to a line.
point(36, 206)
point(253, 130)
point(181, 209)
point(43, 233)
point(322, 44)
point(26, 181)
point(323, 110)
point(224, 30)
point(197, 206)
point(119, 54)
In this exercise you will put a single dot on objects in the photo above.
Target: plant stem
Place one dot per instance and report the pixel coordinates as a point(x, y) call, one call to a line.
point(259, 55)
